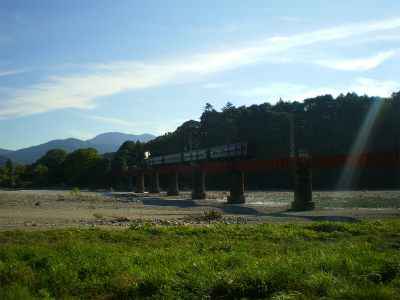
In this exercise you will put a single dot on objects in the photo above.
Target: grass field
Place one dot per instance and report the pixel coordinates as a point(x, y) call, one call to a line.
point(317, 261)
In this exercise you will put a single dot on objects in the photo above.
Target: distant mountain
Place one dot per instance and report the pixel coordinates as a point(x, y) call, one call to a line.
point(103, 143)
point(117, 138)
point(32, 154)
point(5, 152)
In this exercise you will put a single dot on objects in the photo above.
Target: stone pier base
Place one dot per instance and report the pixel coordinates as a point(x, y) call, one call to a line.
point(173, 185)
point(237, 189)
point(139, 183)
point(154, 185)
point(199, 190)
point(303, 192)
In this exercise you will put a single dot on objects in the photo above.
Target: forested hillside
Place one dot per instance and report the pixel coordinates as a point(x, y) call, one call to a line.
point(323, 124)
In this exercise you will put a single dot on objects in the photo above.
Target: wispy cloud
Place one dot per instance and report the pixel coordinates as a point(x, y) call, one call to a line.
point(360, 86)
point(373, 87)
point(360, 64)
point(79, 134)
point(112, 120)
point(82, 85)
point(10, 72)
point(295, 92)
point(5, 69)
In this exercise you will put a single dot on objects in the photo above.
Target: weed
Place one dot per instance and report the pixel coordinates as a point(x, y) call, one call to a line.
point(212, 214)
point(99, 216)
point(75, 192)
point(61, 197)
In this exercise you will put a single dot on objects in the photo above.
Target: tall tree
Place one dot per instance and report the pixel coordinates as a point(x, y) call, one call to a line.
point(123, 159)
point(53, 160)
point(84, 166)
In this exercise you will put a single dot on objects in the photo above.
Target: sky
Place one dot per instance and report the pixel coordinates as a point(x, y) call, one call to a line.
point(79, 68)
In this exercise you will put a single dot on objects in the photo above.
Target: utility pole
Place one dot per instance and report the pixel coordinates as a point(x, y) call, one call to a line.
point(302, 178)
point(293, 153)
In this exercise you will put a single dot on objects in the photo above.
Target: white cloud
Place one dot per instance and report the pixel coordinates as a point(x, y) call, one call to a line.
point(112, 120)
point(360, 64)
point(373, 87)
point(10, 72)
point(88, 82)
point(78, 134)
point(294, 92)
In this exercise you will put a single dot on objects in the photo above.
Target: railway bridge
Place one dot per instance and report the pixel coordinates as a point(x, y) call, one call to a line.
point(302, 167)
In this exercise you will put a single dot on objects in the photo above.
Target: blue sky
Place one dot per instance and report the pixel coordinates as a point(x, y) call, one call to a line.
point(80, 68)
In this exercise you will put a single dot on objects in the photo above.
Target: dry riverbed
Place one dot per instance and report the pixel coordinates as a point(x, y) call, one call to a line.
point(44, 209)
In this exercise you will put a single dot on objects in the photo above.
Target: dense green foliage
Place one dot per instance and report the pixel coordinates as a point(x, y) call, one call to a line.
point(128, 156)
point(82, 167)
point(321, 260)
point(323, 124)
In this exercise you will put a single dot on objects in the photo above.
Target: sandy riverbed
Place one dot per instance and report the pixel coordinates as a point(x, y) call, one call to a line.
point(40, 210)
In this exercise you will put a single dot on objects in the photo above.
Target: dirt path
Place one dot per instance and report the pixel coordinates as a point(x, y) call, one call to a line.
point(40, 210)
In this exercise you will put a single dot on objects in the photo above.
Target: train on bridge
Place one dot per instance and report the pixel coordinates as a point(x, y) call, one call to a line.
point(245, 150)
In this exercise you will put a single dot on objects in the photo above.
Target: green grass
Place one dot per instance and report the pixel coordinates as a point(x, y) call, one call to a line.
point(318, 261)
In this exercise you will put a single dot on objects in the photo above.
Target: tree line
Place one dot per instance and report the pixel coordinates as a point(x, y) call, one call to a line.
point(324, 125)
point(83, 167)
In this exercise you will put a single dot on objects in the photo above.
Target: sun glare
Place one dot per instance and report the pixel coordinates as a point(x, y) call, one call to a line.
point(348, 176)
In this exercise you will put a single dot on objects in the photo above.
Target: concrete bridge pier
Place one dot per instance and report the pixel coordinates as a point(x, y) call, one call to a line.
point(154, 184)
point(120, 183)
point(129, 185)
point(199, 189)
point(173, 185)
point(237, 188)
point(139, 183)
point(303, 192)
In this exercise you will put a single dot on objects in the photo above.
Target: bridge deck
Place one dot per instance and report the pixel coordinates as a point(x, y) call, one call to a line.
point(382, 159)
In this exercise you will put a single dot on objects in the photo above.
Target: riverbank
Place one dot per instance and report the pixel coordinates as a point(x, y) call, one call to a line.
point(44, 209)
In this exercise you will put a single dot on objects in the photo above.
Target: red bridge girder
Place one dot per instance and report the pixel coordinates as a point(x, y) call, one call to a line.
point(382, 159)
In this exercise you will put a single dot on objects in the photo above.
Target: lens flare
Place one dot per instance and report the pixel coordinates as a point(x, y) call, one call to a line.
point(347, 178)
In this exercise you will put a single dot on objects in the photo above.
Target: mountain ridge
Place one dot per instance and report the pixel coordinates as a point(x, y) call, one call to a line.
point(118, 138)
point(30, 155)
